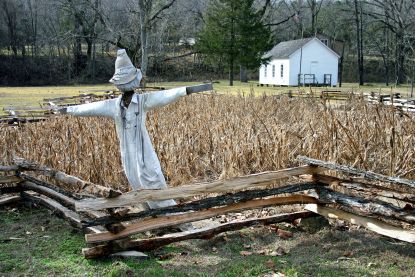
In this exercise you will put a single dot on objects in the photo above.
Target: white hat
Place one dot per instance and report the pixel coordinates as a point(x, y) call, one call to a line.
point(125, 71)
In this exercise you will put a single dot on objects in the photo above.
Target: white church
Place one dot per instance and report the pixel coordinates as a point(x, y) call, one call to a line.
point(305, 61)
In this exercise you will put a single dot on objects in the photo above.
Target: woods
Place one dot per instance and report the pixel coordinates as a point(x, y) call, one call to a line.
point(44, 42)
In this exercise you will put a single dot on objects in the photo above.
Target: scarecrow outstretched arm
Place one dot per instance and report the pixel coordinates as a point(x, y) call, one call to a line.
point(161, 98)
point(104, 108)
point(164, 97)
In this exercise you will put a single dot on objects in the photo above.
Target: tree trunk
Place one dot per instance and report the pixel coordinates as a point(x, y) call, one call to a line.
point(89, 49)
point(341, 66)
point(11, 22)
point(386, 57)
point(359, 42)
point(143, 12)
point(232, 54)
point(400, 58)
point(412, 81)
point(77, 49)
point(313, 17)
point(243, 75)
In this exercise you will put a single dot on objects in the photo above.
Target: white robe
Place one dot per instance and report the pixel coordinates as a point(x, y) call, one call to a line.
point(138, 157)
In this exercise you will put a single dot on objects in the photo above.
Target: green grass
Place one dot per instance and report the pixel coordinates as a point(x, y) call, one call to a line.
point(33, 96)
point(48, 246)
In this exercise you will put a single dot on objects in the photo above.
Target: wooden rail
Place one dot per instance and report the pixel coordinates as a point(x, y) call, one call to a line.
point(221, 186)
point(93, 208)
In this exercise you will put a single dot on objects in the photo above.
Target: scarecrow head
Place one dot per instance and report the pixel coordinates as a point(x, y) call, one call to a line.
point(126, 76)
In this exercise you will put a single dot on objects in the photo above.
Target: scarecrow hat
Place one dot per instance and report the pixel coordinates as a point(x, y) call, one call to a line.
point(125, 71)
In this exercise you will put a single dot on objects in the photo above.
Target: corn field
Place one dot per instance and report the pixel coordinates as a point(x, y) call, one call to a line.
point(207, 137)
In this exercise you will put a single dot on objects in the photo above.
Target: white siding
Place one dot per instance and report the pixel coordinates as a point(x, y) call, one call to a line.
point(276, 79)
point(316, 59)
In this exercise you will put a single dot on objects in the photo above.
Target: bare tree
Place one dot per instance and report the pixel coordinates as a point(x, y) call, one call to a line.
point(9, 9)
point(149, 13)
point(314, 7)
point(398, 17)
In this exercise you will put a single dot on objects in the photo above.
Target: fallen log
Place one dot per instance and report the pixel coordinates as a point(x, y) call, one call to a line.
point(9, 199)
point(361, 189)
point(374, 208)
point(222, 186)
point(206, 203)
point(203, 233)
point(372, 224)
point(171, 220)
point(72, 217)
point(75, 183)
point(354, 171)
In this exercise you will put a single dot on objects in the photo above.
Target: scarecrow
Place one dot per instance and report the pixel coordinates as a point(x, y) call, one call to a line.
point(138, 157)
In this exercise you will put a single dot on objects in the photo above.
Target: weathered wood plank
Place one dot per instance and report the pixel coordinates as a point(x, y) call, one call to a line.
point(36, 181)
point(202, 233)
point(9, 199)
point(372, 224)
point(165, 221)
point(354, 171)
point(9, 179)
point(374, 208)
point(221, 186)
point(77, 184)
point(362, 190)
point(8, 168)
point(206, 203)
point(62, 199)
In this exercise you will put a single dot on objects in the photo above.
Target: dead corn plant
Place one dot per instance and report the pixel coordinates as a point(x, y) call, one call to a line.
point(210, 136)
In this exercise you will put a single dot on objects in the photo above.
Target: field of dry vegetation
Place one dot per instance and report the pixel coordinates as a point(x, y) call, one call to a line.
point(206, 137)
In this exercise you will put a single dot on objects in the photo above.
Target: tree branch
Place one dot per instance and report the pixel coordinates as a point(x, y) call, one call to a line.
point(280, 22)
point(165, 7)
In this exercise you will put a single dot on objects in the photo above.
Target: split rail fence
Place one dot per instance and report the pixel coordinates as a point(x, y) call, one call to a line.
point(379, 203)
point(26, 114)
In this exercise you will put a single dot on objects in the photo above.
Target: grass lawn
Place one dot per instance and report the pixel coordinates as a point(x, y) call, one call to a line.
point(33, 96)
point(36, 243)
